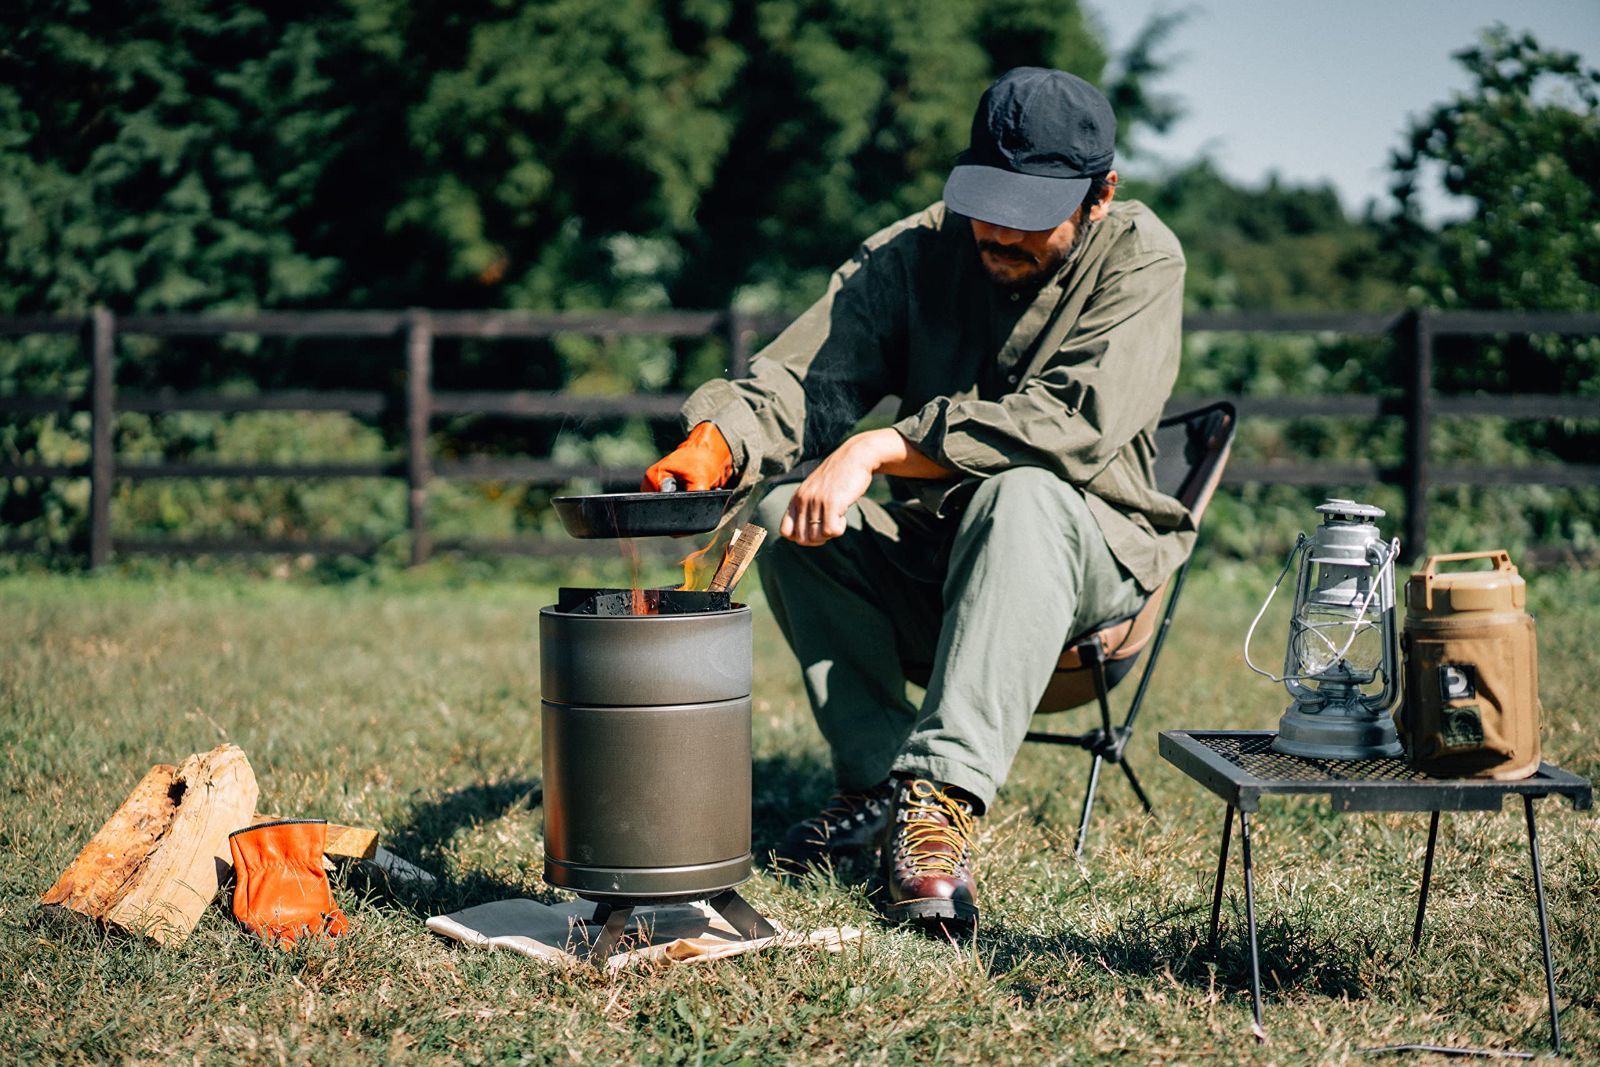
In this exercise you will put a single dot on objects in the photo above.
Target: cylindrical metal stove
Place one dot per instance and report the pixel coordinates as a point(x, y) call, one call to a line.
point(646, 736)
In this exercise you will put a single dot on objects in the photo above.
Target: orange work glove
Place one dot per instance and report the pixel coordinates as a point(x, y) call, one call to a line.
point(280, 891)
point(704, 461)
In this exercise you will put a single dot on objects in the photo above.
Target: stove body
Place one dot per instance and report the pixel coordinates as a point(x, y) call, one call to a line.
point(646, 738)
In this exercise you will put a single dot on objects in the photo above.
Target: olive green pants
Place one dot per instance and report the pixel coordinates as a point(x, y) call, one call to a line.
point(1028, 568)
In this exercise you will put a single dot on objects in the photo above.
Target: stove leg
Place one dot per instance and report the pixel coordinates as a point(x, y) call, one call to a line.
point(1427, 876)
point(1544, 927)
point(747, 921)
point(612, 922)
point(1222, 869)
point(1250, 921)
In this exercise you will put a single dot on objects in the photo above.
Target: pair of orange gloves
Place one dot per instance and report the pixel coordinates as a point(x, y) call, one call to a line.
point(280, 890)
point(703, 461)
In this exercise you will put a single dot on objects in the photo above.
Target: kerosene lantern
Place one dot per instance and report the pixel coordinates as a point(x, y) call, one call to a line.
point(1342, 636)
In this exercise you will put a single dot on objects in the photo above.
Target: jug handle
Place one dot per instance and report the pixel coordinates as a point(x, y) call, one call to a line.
point(1501, 558)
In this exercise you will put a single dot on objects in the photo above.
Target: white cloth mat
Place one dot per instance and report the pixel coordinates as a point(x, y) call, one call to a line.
point(672, 933)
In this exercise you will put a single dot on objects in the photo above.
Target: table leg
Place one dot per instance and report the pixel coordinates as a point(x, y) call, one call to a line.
point(1544, 926)
point(1222, 869)
point(1250, 921)
point(1427, 876)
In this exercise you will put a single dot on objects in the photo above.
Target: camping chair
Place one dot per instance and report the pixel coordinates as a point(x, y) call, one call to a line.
point(1193, 449)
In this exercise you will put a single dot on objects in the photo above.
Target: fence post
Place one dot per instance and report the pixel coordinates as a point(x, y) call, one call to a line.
point(737, 325)
point(102, 443)
point(1419, 418)
point(419, 412)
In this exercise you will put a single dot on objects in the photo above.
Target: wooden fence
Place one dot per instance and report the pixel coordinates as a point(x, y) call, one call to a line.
point(1413, 334)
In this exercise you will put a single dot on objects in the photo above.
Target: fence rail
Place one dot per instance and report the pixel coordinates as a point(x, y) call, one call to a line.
point(1414, 334)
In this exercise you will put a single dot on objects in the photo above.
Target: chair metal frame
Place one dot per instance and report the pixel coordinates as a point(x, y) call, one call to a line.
point(1108, 742)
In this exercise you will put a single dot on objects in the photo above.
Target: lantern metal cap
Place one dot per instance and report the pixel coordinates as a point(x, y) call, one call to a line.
point(1338, 506)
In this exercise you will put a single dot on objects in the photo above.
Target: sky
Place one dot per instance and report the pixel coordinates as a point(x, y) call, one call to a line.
point(1321, 91)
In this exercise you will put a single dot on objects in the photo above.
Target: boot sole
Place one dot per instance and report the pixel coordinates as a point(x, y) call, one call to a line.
point(924, 910)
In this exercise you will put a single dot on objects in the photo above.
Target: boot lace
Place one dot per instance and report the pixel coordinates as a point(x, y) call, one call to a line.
point(847, 807)
point(938, 828)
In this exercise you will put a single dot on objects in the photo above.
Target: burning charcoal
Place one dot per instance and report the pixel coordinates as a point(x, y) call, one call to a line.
point(614, 602)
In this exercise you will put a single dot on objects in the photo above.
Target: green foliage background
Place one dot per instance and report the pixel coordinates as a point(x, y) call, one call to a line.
point(567, 153)
point(639, 154)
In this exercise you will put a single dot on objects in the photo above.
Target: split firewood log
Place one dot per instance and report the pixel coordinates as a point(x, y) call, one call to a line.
point(156, 864)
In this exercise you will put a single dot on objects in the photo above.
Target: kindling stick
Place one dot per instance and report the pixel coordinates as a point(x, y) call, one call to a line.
point(736, 559)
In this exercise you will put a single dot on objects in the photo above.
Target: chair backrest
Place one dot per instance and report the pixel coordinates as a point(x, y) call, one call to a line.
point(1192, 450)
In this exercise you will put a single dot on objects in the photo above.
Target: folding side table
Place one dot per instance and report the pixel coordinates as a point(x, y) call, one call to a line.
point(1240, 767)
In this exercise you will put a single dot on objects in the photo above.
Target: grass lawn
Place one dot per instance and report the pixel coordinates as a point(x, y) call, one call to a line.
point(410, 704)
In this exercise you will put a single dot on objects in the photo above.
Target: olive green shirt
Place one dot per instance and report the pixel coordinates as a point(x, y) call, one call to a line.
point(1071, 377)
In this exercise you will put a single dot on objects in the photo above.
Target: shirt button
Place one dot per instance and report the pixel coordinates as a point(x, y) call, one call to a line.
point(1012, 378)
point(1015, 297)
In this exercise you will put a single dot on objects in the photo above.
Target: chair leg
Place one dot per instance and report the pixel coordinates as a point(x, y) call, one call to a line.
point(1088, 804)
point(1138, 790)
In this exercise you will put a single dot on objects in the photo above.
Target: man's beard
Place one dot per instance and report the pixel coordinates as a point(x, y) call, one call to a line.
point(1040, 270)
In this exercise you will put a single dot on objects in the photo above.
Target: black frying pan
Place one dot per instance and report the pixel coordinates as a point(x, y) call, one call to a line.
point(641, 514)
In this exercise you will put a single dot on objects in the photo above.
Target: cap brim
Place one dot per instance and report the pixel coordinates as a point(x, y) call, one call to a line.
point(1015, 201)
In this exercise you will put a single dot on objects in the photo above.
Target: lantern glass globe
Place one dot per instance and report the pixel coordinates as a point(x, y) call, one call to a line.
point(1326, 632)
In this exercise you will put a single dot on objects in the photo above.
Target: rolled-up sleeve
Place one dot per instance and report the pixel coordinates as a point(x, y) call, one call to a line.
point(1108, 380)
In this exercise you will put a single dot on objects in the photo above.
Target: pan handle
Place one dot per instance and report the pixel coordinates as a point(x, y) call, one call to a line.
point(669, 484)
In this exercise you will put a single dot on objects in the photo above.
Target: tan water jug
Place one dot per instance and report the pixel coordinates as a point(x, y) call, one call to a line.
point(1471, 700)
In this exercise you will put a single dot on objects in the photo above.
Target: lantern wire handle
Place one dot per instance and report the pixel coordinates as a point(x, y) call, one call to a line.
point(1355, 628)
point(1299, 541)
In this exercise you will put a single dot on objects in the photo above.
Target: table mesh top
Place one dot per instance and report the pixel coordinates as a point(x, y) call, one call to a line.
point(1253, 753)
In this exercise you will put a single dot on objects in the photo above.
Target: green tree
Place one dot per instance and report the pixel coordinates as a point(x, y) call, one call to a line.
point(557, 153)
point(1521, 147)
point(166, 156)
point(1270, 247)
point(216, 155)
point(1520, 150)
point(592, 152)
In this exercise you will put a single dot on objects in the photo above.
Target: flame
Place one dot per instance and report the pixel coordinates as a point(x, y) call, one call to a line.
point(640, 604)
point(700, 566)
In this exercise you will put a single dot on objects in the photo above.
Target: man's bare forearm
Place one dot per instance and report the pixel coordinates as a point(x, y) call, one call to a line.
point(887, 451)
point(817, 510)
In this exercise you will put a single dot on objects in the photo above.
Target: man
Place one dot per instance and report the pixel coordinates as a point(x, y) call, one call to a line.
point(1031, 331)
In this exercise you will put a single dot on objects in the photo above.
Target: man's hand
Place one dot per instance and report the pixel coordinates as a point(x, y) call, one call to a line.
point(817, 509)
point(704, 461)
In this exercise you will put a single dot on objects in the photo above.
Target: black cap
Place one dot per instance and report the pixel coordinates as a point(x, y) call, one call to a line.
point(1038, 138)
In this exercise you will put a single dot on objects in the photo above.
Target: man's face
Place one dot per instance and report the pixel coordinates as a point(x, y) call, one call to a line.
point(1018, 259)
point(1021, 258)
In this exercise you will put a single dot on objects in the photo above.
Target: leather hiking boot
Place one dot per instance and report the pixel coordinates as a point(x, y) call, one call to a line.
point(927, 862)
point(851, 821)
